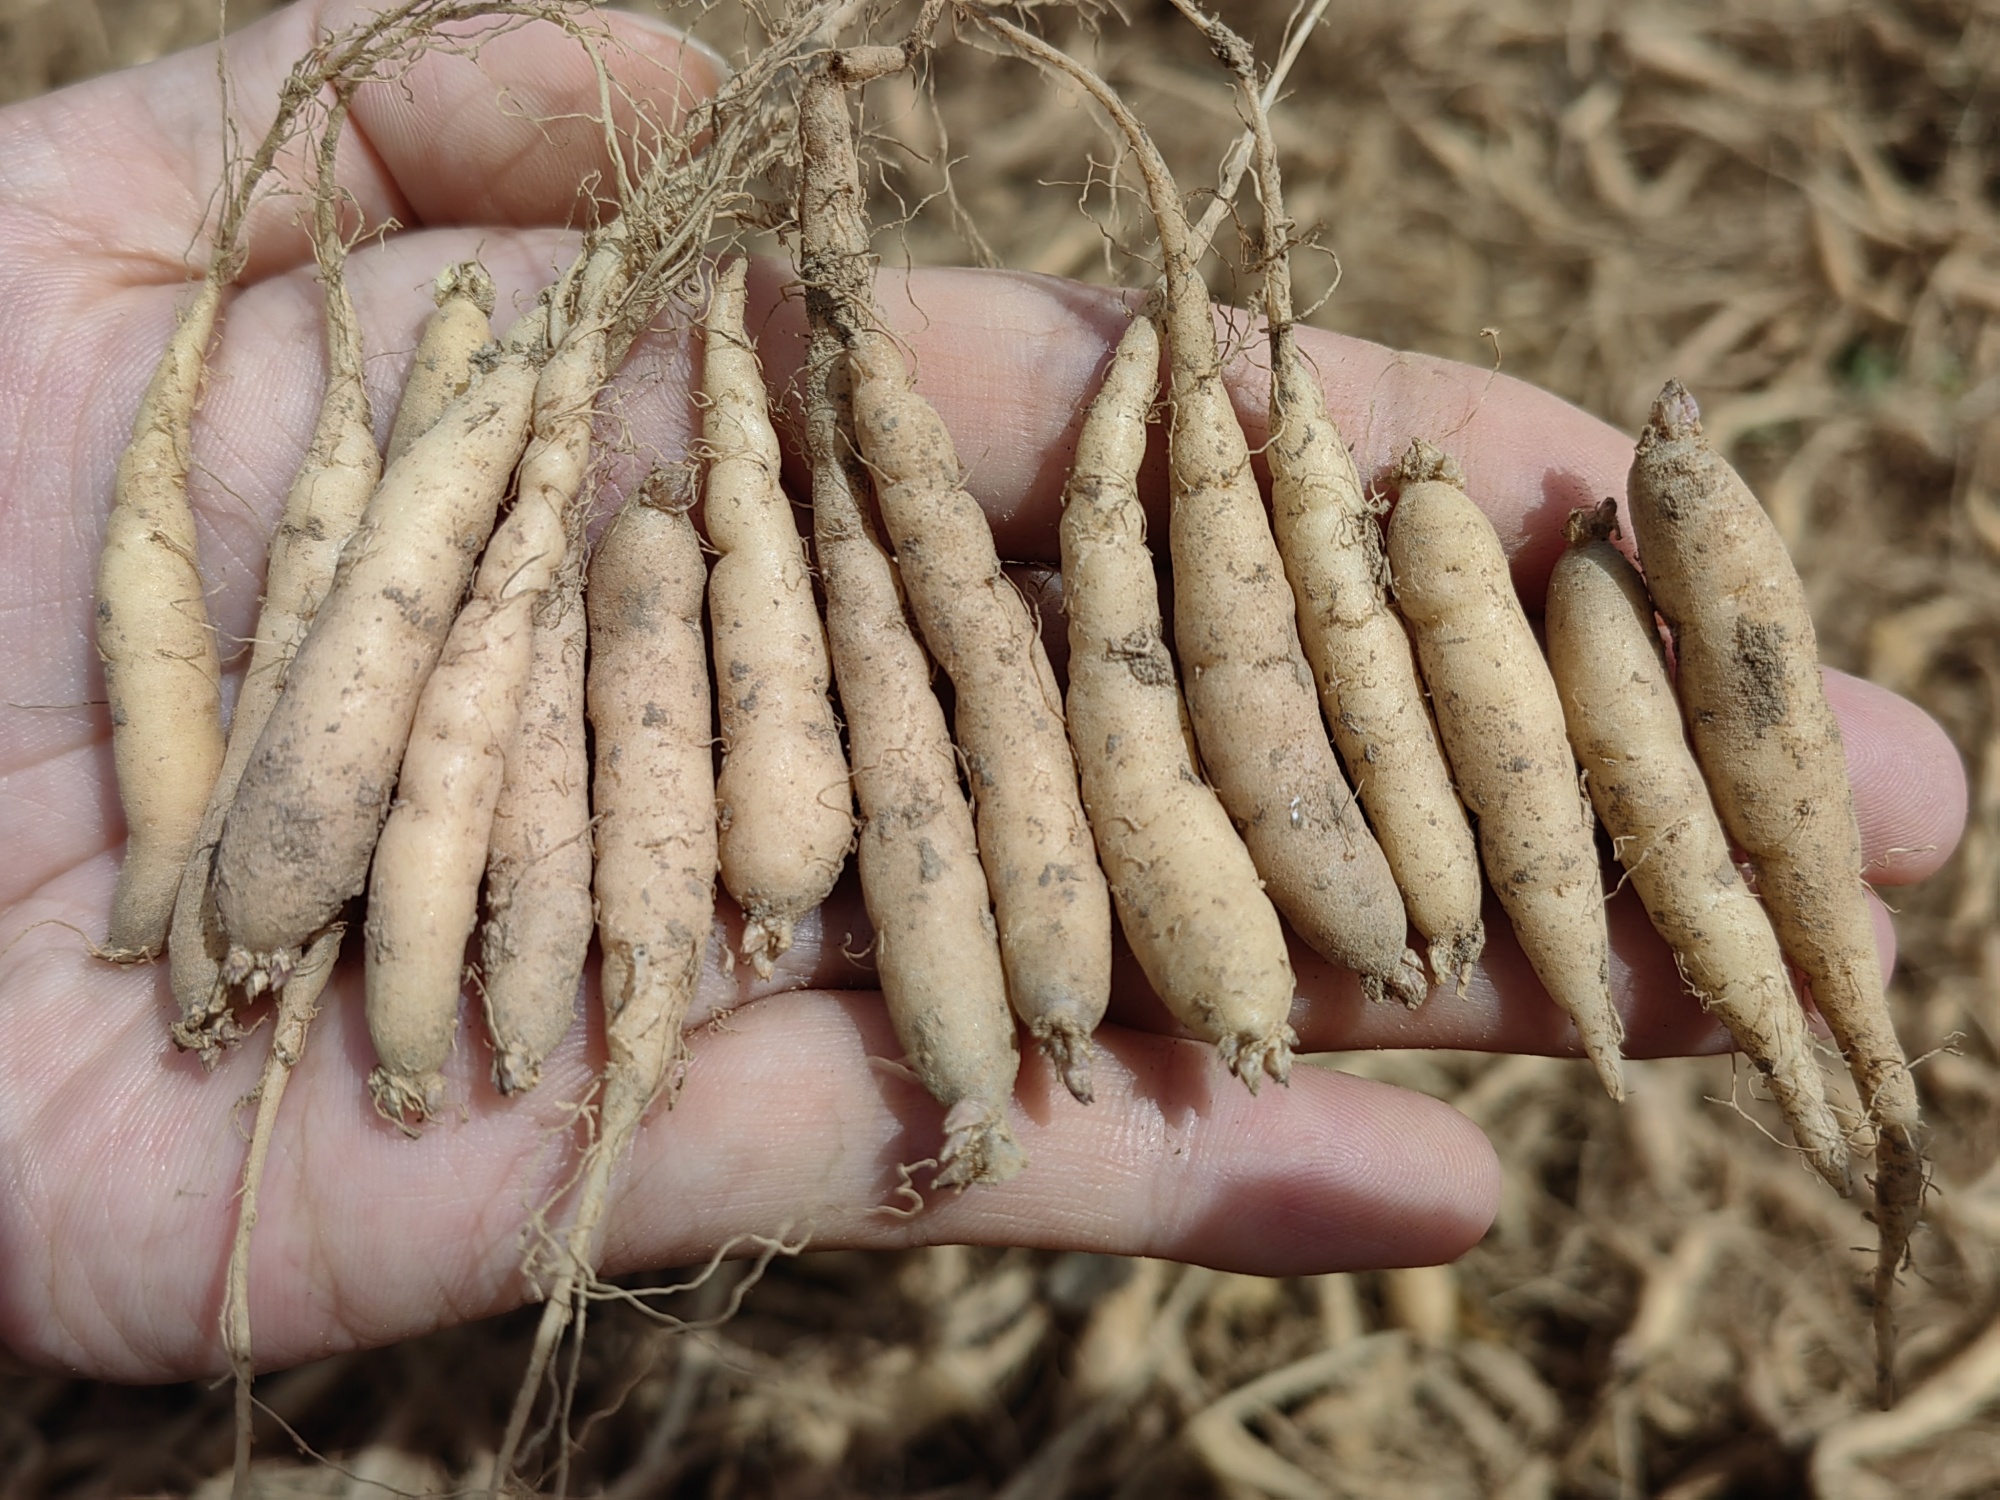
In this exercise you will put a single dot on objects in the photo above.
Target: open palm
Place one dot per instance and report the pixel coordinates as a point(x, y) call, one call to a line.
point(119, 1158)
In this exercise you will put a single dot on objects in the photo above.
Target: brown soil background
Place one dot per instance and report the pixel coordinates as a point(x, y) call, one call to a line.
point(1789, 204)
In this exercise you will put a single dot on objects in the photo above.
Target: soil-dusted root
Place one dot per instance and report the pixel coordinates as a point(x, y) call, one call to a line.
point(1249, 690)
point(936, 948)
point(162, 673)
point(1331, 540)
point(1502, 724)
point(539, 913)
point(434, 844)
point(442, 368)
point(328, 495)
point(410, 563)
point(297, 841)
point(1625, 726)
point(1049, 895)
point(653, 793)
point(1189, 899)
point(1756, 709)
point(298, 1004)
point(423, 891)
point(783, 802)
point(161, 667)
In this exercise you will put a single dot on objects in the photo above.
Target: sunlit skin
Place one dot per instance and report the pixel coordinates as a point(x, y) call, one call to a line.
point(119, 1159)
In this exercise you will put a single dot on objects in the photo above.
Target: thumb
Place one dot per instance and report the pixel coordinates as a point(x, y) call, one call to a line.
point(511, 131)
point(497, 122)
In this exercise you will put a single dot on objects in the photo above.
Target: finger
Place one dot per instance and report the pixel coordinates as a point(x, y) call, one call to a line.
point(1507, 1009)
point(503, 132)
point(1011, 360)
point(1909, 782)
point(1175, 1159)
point(786, 1127)
point(514, 133)
point(266, 381)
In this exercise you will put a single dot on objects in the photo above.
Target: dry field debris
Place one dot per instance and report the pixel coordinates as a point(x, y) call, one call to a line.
point(1792, 208)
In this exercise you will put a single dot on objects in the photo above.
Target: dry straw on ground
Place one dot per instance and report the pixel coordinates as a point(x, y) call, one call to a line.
point(1790, 205)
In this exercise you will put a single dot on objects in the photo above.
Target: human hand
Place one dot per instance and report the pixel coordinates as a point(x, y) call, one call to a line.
point(120, 1159)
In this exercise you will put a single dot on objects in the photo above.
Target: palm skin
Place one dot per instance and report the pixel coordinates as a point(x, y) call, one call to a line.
point(119, 1159)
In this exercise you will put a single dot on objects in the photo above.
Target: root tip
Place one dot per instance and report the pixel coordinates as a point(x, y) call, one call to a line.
point(1674, 416)
point(1406, 983)
point(1426, 464)
point(1454, 955)
point(1250, 1057)
point(468, 279)
point(405, 1102)
point(208, 1036)
point(978, 1147)
point(1610, 1073)
point(1592, 523)
point(766, 935)
point(515, 1071)
point(1067, 1047)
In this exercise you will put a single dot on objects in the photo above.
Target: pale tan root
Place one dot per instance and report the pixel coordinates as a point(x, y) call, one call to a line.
point(297, 841)
point(442, 367)
point(298, 1003)
point(162, 673)
point(1756, 709)
point(539, 912)
point(1367, 673)
point(1249, 690)
point(1625, 725)
point(783, 801)
point(1502, 725)
point(1331, 542)
point(424, 886)
point(328, 495)
point(444, 814)
point(937, 950)
point(160, 661)
point(1049, 895)
point(1189, 900)
point(653, 792)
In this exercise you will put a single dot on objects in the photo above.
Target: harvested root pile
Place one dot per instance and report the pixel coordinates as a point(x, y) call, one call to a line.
point(1624, 1329)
